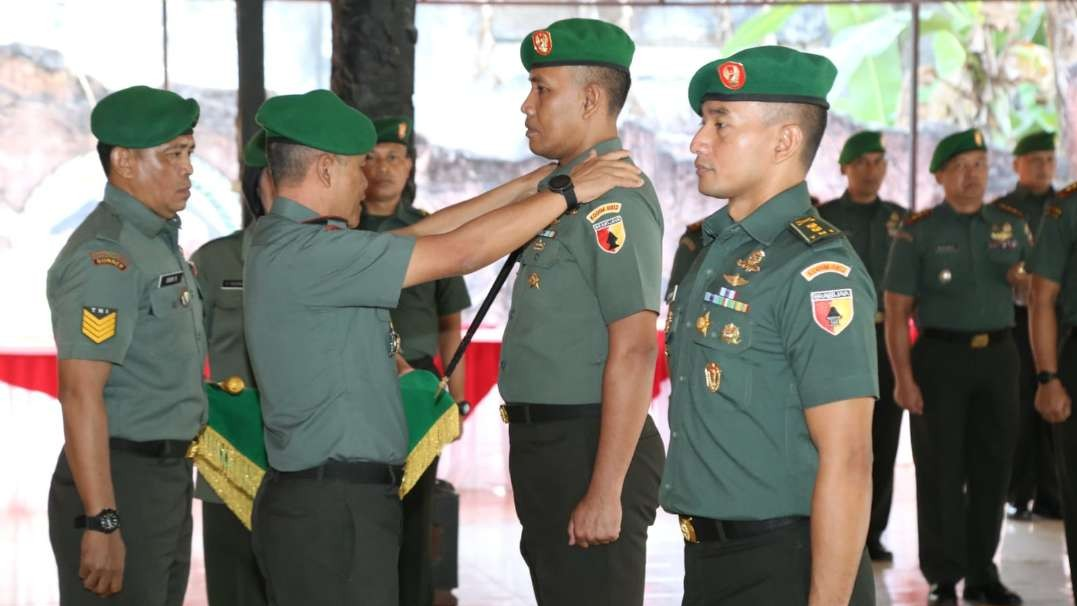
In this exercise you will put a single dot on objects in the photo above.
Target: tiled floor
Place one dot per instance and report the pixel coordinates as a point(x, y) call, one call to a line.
point(1032, 555)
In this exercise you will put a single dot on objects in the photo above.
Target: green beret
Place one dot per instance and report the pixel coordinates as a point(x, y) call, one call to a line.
point(393, 129)
point(864, 142)
point(957, 143)
point(578, 42)
point(318, 119)
point(1033, 142)
point(254, 153)
point(139, 117)
point(765, 73)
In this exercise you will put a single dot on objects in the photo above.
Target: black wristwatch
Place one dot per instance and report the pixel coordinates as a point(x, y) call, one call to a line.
point(562, 184)
point(108, 521)
point(1046, 377)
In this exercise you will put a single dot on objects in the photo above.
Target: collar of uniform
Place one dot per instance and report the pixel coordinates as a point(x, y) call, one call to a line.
point(946, 210)
point(603, 147)
point(292, 210)
point(401, 213)
point(137, 213)
point(775, 215)
point(847, 199)
point(1024, 192)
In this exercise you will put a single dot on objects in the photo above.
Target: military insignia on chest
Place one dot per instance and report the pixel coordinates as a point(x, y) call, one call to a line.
point(751, 263)
point(609, 227)
point(726, 298)
point(1002, 236)
point(832, 310)
point(893, 223)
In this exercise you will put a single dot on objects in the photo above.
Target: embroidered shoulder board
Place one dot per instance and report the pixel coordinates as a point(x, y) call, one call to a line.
point(1067, 190)
point(1006, 208)
point(698, 225)
point(918, 216)
point(813, 229)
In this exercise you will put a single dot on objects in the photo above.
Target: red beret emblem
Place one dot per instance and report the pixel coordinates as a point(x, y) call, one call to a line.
point(732, 75)
point(542, 42)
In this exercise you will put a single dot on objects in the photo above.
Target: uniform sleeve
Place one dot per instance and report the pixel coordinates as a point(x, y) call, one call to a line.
point(451, 295)
point(353, 268)
point(828, 328)
point(1053, 242)
point(200, 263)
point(903, 264)
point(687, 251)
point(94, 301)
point(622, 250)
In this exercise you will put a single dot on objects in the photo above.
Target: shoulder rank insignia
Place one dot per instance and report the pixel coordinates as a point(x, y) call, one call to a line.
point(813, 229)
point(1067, 190)
point(1006, 208)
point(916, 217)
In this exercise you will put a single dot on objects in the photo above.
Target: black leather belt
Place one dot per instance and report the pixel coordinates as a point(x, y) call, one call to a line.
point(160, 449)
point(695, 529)
point(356, 472)
point(541, 413)
point(975, 340)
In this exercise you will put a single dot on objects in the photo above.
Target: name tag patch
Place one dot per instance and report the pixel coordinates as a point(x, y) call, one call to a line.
point(169, 279)
point(231, 284)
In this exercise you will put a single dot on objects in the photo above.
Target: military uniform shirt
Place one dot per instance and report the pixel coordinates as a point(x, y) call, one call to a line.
point(219, 264)
point(416, 315)
point(764, 326)
point(120, 291)
point(581, 273)
point(1055, 257)
point(688, 248)
point(870, 228)
point(955, 266)
point(316, 311)
point(1030, 204)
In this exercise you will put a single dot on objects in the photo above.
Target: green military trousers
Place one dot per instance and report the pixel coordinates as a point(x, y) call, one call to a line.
point(550, 466)
point(327, 542)
point(963, 448)
point(885, 434)
point(771, 568)
point(153, 497)
point(1065, 443)
point(232, 575)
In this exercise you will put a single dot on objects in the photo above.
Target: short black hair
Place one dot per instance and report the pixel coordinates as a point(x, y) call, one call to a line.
point(615, 82)
point(812, 121)
point(104, 153)
point(288, 161)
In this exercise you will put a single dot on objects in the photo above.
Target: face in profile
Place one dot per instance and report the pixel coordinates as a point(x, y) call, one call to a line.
point(731, 147)
point(160, 177)
point(553, 111)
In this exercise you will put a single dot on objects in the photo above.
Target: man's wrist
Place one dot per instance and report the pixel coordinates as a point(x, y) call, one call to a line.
point(1046, 376)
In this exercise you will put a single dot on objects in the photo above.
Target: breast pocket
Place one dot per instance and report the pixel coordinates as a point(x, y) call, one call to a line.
point(1004, 253)
point(723, 373)
point(170, 307)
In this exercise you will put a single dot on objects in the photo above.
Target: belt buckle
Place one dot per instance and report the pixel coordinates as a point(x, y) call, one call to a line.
point(980, 341)
point(688, 530)
point(504, 410)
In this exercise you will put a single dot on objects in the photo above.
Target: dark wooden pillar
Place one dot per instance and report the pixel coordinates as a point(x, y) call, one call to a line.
point(250, 43)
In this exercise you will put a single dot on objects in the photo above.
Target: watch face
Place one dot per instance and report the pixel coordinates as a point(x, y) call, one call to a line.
point(560, 182)
point(109, 521)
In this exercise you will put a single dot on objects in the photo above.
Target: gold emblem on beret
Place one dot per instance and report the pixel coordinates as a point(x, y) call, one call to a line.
point(731, 334)
point(703, 323)
point(233, 385)
point(751, 263)
point(713, 373)
point(534, 280)
point(402, 131)
point(542, 42)
point(734, 279)
point(978, 137)
point(732, 75)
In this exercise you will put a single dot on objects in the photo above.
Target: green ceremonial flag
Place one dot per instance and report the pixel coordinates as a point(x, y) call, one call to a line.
point(230, 451)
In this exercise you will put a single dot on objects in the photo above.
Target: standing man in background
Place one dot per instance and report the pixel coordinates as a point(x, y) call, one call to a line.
point(428, 321)
point(580, 345)
point(127, 320)
point(956, 265)
point(870, 223)
point(232, 575)
point(1034, 477)
point(1053, 318)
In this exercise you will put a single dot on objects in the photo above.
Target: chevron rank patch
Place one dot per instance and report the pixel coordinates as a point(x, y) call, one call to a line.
point(99, 323)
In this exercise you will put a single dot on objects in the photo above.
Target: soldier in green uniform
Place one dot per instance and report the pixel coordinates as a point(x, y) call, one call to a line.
point(428, 321)
point(869, 223)
point(771, 354)
point(688, 248)
point(956, 266)
point(317, 299)
point(1053, 316)
point(1034, 476)
point(127, 320)
point(232, 575)
point(579, 347)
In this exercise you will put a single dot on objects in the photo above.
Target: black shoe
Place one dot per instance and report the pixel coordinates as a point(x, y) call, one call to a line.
point(878, 553)
point(943, 594)
point(1018, 513)
point(995, 593)
point(1047, 509)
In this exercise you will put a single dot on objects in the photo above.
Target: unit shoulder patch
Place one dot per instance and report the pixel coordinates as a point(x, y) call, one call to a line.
point(917, 217)
point(832, 310)
point(107, 257)
point(814, 270)
point(99, 323)
point(1006, 208)
point(609, 227)
point(1067, 190)
point(813, 229)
